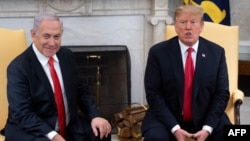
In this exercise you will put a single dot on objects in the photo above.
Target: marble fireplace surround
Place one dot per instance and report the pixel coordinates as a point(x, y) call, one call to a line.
point(137, 24)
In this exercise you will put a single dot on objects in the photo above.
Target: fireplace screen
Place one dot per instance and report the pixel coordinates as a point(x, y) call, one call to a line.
point(106, 69)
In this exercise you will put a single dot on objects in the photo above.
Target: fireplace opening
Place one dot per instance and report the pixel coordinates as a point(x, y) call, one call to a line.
point(106, 69)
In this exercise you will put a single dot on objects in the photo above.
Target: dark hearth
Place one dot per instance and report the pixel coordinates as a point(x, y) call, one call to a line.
point(106, 69)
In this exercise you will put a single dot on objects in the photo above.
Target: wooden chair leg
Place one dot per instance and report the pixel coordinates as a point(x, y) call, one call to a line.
point(237, 111)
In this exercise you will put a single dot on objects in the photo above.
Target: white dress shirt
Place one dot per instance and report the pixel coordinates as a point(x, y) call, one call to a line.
point(184, 54)
point(44, 62)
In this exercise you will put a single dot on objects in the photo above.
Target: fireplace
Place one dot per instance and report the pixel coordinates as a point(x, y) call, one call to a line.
point(106, 69)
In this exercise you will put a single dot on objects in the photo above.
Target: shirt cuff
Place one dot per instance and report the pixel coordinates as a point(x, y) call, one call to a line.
point(51, 135)
point(176, 127)
point(208, 128)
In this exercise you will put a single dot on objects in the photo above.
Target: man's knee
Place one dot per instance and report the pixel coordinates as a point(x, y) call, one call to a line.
point(92, 137)
point(156, 134)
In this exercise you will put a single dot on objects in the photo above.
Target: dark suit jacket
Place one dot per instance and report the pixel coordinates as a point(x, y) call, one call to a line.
point(164, 85)
point(32, 108)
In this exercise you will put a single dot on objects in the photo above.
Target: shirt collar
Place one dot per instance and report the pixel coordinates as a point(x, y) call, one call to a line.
point(184, 47)
point(42, 59)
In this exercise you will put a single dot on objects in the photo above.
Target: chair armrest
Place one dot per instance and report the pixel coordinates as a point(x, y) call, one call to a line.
point(2, 138)
point(238, 97)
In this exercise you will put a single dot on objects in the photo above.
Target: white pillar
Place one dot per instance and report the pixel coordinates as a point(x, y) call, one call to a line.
point(159, 19)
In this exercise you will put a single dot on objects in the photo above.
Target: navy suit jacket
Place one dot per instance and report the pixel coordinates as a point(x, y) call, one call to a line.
point(32, 108)
point(164, 85)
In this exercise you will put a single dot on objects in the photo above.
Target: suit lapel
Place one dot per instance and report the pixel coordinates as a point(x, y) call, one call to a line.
point(64, 67)
point(65, 70)
point(200, 66)
point(176, 58)
point(39, 72)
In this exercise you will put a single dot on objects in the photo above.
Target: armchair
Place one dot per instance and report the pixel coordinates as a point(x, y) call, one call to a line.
point(12, 43)
point(228, 38)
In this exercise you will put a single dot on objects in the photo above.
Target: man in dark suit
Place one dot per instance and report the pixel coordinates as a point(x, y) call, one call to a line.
point(166, 118)
point(33, 112)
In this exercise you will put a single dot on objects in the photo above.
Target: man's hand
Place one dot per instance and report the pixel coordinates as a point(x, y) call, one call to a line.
point(181, 135)
point(58, 137)
point(201, 135)
point(103, 126)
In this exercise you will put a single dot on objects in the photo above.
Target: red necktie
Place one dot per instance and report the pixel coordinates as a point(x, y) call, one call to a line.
point(189, 73)
point(58, 98)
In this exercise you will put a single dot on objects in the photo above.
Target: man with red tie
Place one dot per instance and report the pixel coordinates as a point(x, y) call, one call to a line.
point(45, 93)
point(186, 84)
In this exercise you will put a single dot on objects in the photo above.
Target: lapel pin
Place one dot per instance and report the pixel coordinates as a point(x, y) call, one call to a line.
point(203, 55)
